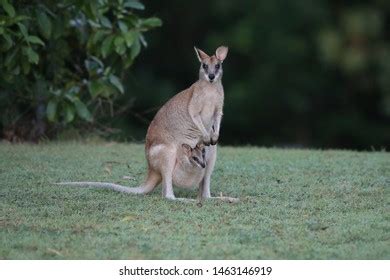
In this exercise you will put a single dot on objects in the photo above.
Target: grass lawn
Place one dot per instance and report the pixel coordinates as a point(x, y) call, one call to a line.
point(295, 204)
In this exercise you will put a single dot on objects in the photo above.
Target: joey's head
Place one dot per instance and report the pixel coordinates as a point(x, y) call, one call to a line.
point(195, 156)
point(211, 66)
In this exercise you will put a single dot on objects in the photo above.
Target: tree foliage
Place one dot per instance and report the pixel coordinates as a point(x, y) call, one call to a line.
point(61, 60)
point(305, 73)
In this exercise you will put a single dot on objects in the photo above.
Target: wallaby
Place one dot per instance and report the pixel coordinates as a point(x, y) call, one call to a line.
point(190, 117)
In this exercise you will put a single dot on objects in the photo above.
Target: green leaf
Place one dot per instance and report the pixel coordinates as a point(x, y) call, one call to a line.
point(106, 45)
point(114, 80)
point(94, 66)
point(143, 41)
point(8, 42)
point(94, 24)
point(93, 5)
point(32, 56)
point(21, 18)
point(10, 61)
point(105, 22)
point(69, 113)
point(134, 4)
point(119, 43)
point(130, 38)
point(123, 26)
point(98, 61)
point(44, 24)
point(96, 88)
point(82, 110)
point(128, 62)
point(23, 29)
point(151, 22)
point(70, 94)
point(98, 35)
point(135, 49)
point(51, 110)
point(35, 40)
point(8, 8)
point(1, 30)
point(107, 71)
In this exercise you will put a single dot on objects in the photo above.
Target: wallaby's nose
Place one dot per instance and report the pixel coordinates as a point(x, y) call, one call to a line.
point(211, 76)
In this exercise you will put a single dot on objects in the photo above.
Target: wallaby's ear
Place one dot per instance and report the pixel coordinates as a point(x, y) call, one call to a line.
point(187, 148)
point(200, 54)
point(221, 53)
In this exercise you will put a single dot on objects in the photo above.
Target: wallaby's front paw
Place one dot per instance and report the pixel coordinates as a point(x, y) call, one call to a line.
point(214, 138)
point(206, 140)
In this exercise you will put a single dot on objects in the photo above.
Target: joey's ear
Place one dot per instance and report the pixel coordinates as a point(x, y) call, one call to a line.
point(200, 54)
point(221, 53)
point(187, 149)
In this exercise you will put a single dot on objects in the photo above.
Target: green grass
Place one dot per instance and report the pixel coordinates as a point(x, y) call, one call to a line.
point(295, 204)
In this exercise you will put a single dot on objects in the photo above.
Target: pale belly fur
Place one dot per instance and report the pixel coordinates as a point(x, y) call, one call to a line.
point(188, 177)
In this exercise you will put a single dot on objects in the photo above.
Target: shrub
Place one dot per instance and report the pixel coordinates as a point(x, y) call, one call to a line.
point(61, 60)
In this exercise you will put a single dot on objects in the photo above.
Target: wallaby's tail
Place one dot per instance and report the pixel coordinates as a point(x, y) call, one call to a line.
point(151, 182)
point(103, 185)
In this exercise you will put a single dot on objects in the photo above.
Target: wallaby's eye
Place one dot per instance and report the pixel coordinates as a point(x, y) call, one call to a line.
point(217, 66)
point(205, 66)
point(194, 158)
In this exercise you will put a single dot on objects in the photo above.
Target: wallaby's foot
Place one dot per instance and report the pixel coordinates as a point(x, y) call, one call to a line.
point(170, 197)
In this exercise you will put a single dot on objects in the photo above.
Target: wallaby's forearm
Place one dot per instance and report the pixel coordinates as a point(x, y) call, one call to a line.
point(199, 124)
point(217, 121)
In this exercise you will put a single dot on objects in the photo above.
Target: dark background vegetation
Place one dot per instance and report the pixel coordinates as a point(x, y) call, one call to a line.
point(299, 73)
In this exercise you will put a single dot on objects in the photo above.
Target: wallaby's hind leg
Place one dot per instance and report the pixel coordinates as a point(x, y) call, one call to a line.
point(167, 170)
point(167, 187)
point(164, 160)
point(152, 180)
point(204, 186)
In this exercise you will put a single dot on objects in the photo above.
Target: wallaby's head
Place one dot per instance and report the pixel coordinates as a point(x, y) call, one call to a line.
point(196, 156)
point(211, 66)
